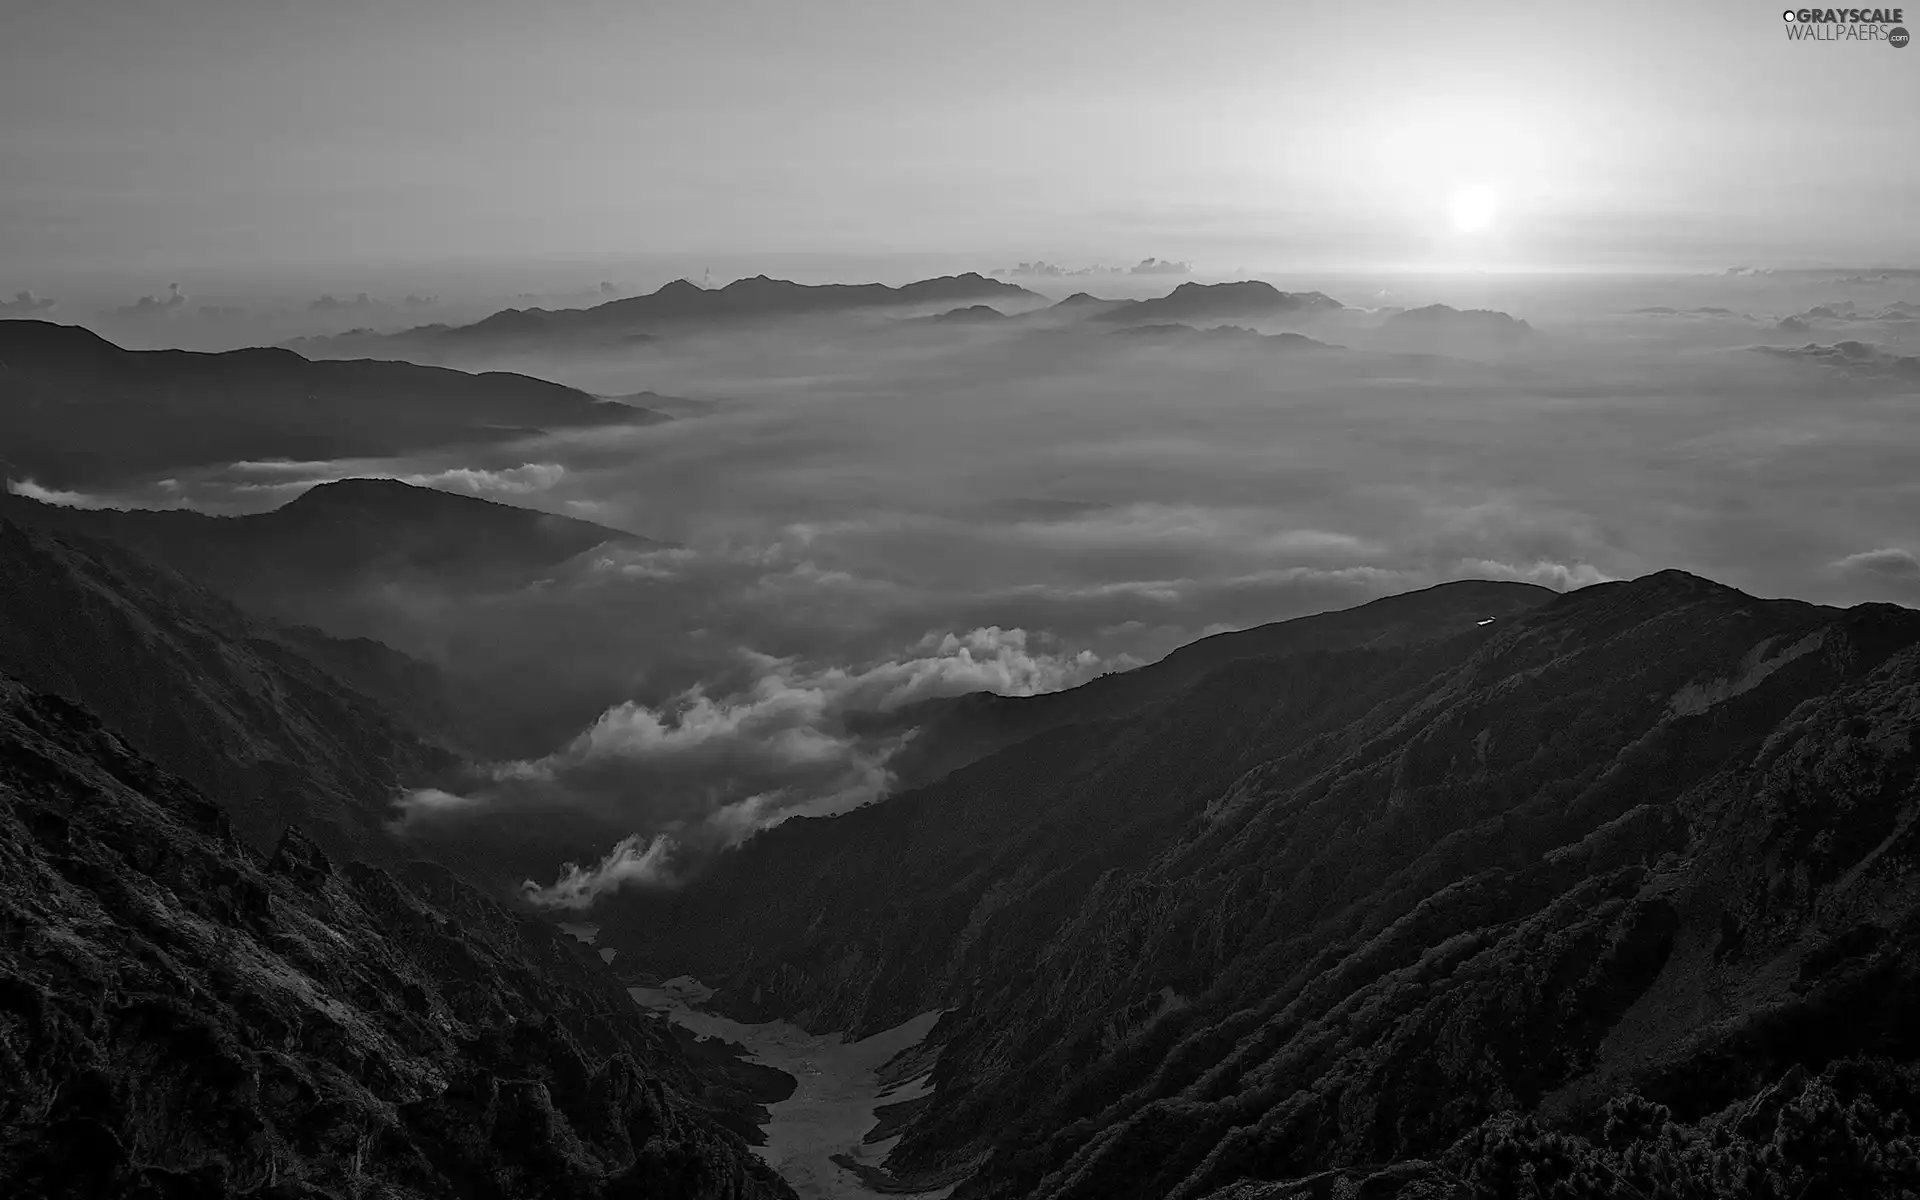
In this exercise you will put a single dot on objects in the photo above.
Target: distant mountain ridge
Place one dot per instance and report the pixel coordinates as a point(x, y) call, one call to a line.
point(972, 313)
point(75, 408)
point(1852, 358)
point(375, 559)
point(336, 536)
point(677, 304)
point(1441, 327)
point(1241, 298)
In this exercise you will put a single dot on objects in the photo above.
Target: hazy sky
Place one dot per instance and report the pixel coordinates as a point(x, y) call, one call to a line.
point(153, 135)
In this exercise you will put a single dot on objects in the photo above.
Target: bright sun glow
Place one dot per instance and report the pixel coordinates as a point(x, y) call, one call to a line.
point(1474, 208)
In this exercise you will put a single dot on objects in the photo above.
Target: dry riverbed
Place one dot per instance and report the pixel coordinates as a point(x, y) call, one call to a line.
point(840, 1087)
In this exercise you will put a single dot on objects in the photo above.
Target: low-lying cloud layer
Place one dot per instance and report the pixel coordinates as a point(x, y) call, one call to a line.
point(722, 759)
point(1053, 502)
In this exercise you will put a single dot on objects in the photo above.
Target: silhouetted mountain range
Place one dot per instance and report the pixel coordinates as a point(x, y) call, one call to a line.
point(676, 305)
point(1632, 862)
point(187, 1016)
point(1440, 328)
point(1858, 359)
point(373, 558)
point(973, 314)
point(295, 562)
point(77, 409)
point(1194, 301)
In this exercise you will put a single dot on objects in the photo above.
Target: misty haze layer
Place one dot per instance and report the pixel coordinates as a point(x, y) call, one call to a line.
point(867, 511)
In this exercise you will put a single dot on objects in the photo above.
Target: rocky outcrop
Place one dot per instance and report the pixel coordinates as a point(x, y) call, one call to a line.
point(1239, 298)
point(183, 1016)
point(1439, 328)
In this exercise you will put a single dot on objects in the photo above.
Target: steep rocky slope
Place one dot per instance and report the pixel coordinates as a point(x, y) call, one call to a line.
point(952, 732)
point(243, 709)
point(1333, 909)
point(379, 563)
point(182, 1016)
point(676, 306)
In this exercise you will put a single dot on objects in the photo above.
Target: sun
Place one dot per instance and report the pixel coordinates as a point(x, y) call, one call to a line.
point(1475, 208)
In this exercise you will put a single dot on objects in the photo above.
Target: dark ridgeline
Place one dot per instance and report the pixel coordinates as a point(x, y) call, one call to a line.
point(1191, 301)
point(1440, 328)
point(1856, 359)
point(677, 305)
point(75, 409)
point(1633, 862)
point(294, 562)
point(973, 314)
point(351, 557)
point(1218, 337)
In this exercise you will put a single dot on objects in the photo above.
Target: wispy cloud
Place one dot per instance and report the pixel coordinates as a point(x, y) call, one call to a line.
point(706, 769)
point(151, 306)
point(26, 304)
point(1889, 562)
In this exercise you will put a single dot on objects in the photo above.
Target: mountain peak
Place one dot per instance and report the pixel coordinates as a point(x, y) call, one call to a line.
point(46, 343)
point(1231, 298)
point(1674, 576)
point(359, 492)
point(1675, 583)
point(1247, 286)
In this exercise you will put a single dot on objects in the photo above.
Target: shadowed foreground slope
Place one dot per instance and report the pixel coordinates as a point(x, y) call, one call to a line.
point(1329, 910)
point(277, 725)
point(181, 1016)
